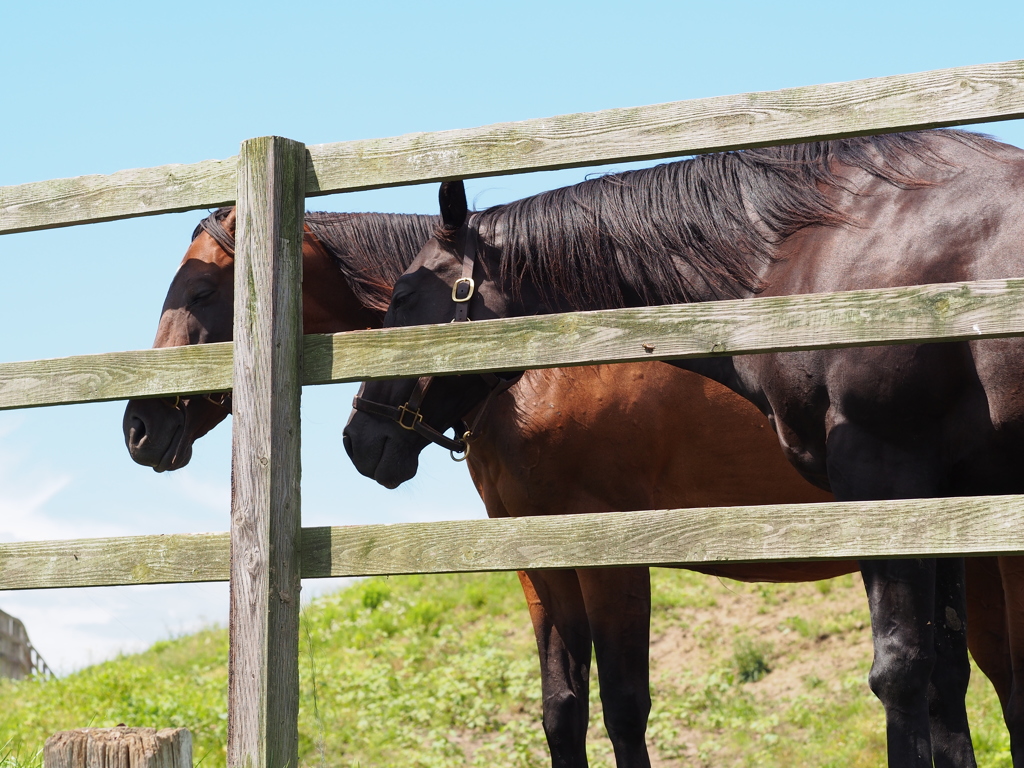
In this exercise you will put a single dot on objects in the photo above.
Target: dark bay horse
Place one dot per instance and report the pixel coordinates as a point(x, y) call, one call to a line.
point(536, 454)
point(873, 423)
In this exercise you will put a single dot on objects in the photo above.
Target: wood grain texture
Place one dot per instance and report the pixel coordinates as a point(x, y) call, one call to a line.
point(944, 312)
point(851, 530)
point(120, 195)
point(106, 562)
point(117, 376)
point(838, 530)
point(121, 747)
point(945, 97)
point(263, 667)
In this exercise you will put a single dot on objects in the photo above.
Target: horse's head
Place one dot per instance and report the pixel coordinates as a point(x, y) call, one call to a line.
point(159, 433)
point(340, 292)
point(453, 278)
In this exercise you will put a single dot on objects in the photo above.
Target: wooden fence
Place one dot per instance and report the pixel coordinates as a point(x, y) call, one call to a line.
point(18, 658)
point(266, 551)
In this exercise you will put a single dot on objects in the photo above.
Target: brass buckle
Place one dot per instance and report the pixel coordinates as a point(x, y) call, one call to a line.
point(469, 294)
point(416, 416)
point(465, 438)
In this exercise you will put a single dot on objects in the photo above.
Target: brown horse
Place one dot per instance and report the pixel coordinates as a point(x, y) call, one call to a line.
point(883, 422)
point(349, 263)
point(562, 441)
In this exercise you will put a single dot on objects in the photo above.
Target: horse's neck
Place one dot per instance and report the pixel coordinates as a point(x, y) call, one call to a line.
point(528, 300)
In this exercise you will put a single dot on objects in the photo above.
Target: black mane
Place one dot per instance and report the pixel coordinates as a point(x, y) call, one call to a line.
point(372, 250)
point(676, 231)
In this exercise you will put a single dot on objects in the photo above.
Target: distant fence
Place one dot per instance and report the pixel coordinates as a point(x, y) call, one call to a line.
point(18, 659)
point(269, 361)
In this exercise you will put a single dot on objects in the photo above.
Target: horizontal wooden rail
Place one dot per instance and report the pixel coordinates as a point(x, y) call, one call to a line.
point(943, 312)
point(121, 195)
point(117, 376)
point(835, 531)
point(945, 97)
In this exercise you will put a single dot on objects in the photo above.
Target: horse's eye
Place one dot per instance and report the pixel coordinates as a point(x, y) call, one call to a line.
point(400, 300)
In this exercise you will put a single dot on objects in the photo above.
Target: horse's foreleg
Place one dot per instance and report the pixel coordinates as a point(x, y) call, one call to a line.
point(901, 601)
point(951, 736)
point(1012, 573)
point(619, 609)
point(563, 643)
point(864, 464)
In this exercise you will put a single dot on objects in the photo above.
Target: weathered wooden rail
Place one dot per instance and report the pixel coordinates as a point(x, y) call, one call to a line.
point(267, 551)
point(983, 525)
point(984, 309)
point(947, 97)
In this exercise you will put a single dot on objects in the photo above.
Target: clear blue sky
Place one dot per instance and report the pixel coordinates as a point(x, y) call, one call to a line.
point(97, 87)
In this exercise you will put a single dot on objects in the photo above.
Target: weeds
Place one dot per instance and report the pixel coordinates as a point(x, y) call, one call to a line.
point(750, 659)
point(441, 671)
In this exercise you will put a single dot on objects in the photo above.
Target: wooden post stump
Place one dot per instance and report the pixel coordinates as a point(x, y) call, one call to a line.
point(119, 747)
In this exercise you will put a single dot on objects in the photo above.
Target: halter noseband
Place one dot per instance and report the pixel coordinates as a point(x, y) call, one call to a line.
point(408, 414)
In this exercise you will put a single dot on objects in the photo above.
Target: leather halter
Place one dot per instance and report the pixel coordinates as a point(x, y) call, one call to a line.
point(408, 414)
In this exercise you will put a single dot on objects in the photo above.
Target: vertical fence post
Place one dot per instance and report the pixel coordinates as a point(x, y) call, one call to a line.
point(263, 676)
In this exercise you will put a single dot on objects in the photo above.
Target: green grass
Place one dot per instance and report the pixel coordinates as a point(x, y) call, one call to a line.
point(441, 671)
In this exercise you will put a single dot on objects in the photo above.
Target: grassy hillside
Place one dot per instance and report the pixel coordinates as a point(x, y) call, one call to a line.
point(441, 671)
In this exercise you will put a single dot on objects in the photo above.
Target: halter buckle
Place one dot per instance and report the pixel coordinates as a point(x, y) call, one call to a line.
point(470, 286)
point(465, 454)
point(416, 417)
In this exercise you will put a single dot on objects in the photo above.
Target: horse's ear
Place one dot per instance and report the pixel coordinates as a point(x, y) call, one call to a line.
point(229, 221)
point(453, 204)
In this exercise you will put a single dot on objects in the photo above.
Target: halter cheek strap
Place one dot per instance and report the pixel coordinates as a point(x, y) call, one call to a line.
point(464, 287)
point(408, 415)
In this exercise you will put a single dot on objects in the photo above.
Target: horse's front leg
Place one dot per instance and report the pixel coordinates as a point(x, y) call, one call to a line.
point(905, 597)
point(619, 609)
point(901, 600)
point(563, 638)
point(950, 734)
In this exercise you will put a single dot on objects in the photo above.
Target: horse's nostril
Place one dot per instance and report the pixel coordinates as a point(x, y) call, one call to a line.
point(137, 430)
point(347, 442)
